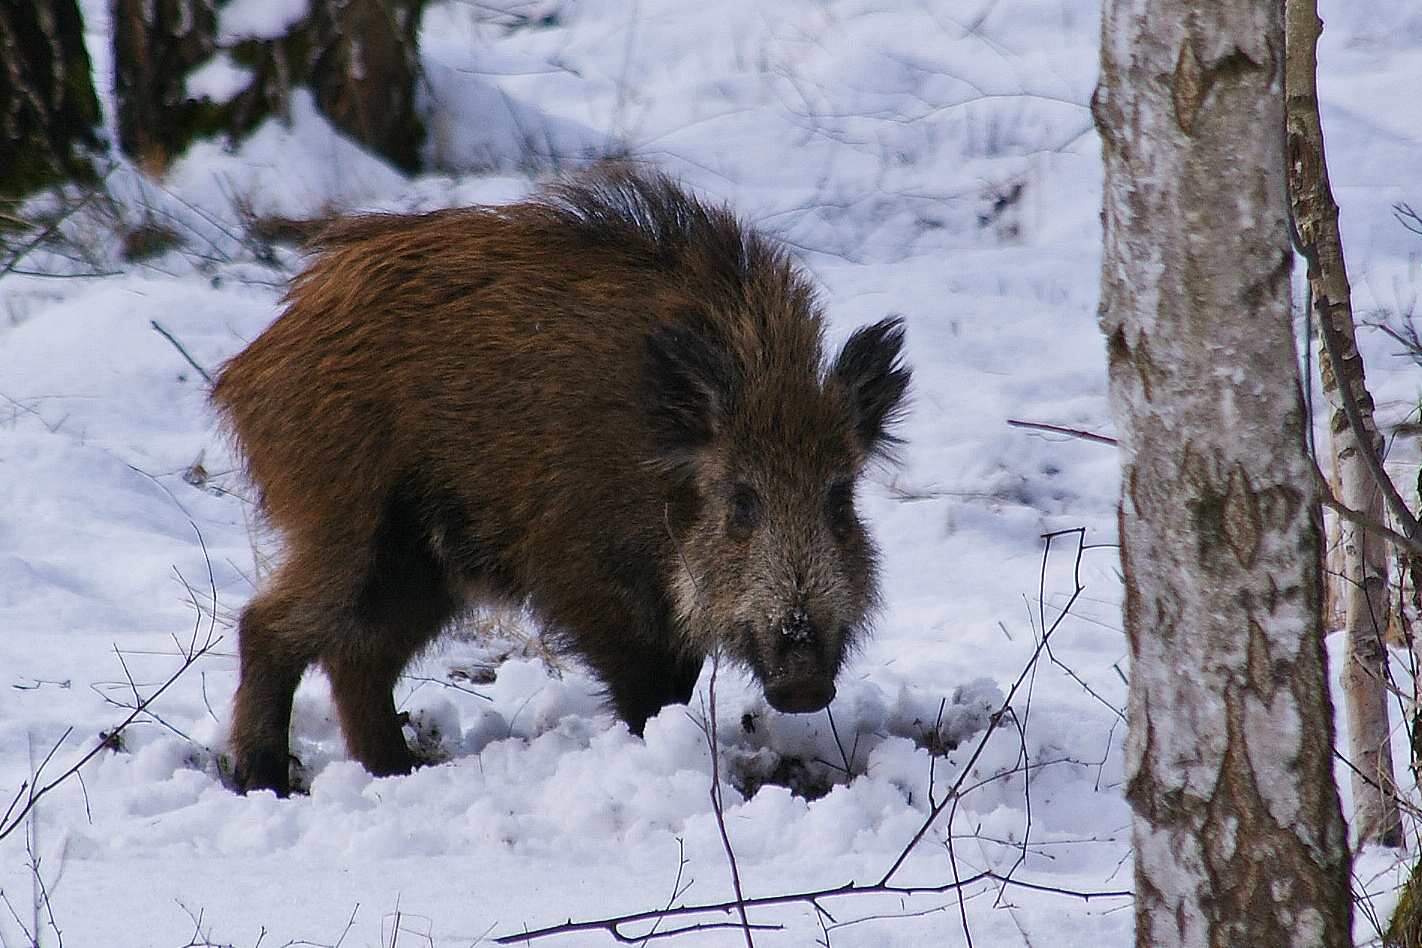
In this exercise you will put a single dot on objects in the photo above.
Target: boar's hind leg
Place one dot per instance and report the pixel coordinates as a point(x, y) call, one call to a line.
point(401, 603)
point(273, 659)
point(362, 614)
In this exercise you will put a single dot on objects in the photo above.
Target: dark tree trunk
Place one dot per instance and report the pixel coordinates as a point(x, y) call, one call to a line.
point(48, 109)
point(360, 58)
point(364, 68)
point(157, 45)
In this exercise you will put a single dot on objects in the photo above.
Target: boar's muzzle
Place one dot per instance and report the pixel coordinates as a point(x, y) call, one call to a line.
point(795, 679)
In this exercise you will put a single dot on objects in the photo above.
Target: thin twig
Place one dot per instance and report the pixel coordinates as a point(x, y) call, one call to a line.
point(677, 889)
point(1079, 588)
point(1057, 429)
point(846, 757)
point(181, 351)
point(953, 856)
point(717, 800)
point(41, 908)
point(30, 793)
point(709, 729)
point(1407, 217)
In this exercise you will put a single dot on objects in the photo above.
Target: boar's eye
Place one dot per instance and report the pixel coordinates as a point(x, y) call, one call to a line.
point(839, 509)
point(743, 513)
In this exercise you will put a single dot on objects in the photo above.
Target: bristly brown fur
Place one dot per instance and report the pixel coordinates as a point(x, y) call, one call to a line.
point(609, 403)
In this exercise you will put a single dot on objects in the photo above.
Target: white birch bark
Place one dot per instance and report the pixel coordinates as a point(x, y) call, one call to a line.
point(1239, 839)
point(1363, 585)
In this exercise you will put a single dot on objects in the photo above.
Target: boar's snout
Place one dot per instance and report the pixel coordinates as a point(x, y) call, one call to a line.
point(797, 680)
point(800, 694)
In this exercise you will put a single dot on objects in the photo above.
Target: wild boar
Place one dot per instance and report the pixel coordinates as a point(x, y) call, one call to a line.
point(608, 404)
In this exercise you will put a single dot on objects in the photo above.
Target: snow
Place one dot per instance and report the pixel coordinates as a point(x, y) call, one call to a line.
point(931, 160)
point(218, 79)
point(257, 19)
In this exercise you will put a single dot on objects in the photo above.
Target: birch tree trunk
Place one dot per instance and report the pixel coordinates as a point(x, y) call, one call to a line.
point(1364, 583)
point(1238, 834)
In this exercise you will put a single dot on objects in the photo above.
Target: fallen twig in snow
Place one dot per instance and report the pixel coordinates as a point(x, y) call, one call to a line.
point(181, 351)
point(1057, 429)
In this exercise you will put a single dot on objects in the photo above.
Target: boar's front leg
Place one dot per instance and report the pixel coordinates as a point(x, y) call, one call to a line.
point(642, 678)
point(362, 686)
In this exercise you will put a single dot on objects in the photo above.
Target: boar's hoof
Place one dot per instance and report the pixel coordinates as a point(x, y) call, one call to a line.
point(263, 770)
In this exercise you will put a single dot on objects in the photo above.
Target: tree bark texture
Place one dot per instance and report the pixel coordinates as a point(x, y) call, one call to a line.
point(360, 58)
point(364, 69)
point(1363, 587)
point(1239, 838)
point(48, 109)
point(157, 45)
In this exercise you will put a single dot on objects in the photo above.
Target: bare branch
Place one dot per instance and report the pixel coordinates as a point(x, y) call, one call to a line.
point(1407, 217)
point(1056, 429)
point(31, 792)
point(1326, 497)
point(616, 925)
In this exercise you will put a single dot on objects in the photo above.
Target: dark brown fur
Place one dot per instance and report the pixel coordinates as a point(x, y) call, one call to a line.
point(608, 403)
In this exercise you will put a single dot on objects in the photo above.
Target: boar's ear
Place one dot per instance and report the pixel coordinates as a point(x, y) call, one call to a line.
point(875, 381)
point(689, 386)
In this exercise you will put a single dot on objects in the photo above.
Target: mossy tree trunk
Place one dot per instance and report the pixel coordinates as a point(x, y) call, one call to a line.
point(360, 59)
point(1404, 930)
point(48, 110)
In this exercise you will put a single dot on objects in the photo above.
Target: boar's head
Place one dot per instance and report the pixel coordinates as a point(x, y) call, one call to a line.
point(773, 568)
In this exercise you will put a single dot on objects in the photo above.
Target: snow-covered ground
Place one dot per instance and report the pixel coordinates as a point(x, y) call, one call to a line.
point(931, 159)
